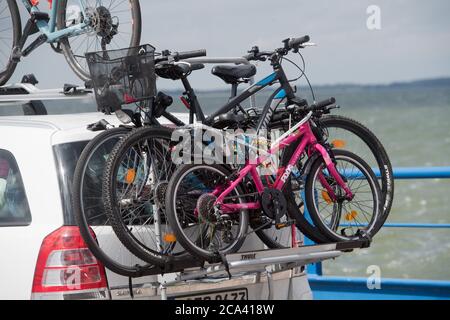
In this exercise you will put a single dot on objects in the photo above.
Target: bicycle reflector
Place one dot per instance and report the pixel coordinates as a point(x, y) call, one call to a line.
point(170, 238)
point(130, 176)
point(326, 197)
point(338, 143)
point(351, 215)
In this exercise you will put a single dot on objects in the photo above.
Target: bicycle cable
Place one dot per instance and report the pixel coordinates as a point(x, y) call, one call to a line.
point(303, 74)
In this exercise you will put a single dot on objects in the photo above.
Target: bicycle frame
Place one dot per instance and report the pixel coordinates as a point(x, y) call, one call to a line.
point(250, 91)
point(284, 91)
point(49, 28)
point(301, 131)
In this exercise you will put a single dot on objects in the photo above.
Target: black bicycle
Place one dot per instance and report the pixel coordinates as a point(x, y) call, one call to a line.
point(124, 83)
point(121, 77)
point(124, 155)
point(139, 167)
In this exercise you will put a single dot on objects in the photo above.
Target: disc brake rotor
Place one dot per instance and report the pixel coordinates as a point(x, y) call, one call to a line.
point(102, 23)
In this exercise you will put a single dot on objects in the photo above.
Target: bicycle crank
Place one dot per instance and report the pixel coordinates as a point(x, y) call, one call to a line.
point(274, 206)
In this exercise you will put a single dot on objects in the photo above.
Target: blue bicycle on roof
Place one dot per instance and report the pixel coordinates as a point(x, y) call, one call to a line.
point(71, 27)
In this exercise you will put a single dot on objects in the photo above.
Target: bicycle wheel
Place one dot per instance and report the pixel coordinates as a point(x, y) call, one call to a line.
point(89, 211)
point(201, 230)
point(10, 34)
point(348, 134)
point(104, 15)
point(339, 218)
point(134, 185)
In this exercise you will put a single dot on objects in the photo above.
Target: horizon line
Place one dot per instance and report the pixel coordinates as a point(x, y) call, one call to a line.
point(343, 84)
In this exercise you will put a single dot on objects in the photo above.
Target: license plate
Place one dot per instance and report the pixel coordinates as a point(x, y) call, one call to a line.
point(236, 294)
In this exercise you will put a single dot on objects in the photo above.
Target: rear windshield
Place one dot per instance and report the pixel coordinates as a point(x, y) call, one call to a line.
point(66, 156)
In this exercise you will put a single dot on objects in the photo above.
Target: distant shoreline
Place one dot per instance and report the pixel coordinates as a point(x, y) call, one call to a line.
point(432, 82)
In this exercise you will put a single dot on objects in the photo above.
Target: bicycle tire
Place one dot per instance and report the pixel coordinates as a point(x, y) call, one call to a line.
point(110, 202)
point(374, 186)
point(176, 227)
point(80, 174)
point(378, 151)
point(83, 73)
point(11, 65)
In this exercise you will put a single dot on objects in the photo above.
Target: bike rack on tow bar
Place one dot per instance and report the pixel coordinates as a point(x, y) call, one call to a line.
point(263, 261)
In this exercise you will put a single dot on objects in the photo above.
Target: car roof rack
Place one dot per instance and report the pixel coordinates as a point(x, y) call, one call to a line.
point(29, 92)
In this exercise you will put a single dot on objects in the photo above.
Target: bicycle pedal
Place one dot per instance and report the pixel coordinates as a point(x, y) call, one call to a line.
point(284, 224)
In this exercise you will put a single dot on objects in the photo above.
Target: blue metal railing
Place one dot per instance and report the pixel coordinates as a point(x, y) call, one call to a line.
point(354, 288)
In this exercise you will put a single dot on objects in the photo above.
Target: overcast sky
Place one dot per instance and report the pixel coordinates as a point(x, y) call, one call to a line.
point(413, 43)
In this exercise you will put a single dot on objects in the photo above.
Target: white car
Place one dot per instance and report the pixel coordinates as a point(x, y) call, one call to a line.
point(39, 240)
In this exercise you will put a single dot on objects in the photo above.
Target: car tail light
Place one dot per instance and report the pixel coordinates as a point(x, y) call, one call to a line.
point(36, 2)
point(66, 268)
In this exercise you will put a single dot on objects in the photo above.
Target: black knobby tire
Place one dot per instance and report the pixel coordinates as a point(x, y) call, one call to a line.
point(83, 72)
point(16, 33)
point(378, 151)
point(373, 184)
point(109, 195)
point(202, 254)
point(78, 204)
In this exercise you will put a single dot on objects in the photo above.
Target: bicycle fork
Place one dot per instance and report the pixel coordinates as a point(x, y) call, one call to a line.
point(331, 167)
point(30, 29)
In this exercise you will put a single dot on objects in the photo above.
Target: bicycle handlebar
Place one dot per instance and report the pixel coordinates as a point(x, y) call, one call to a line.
point(294, 43)
point(289, 44)
point(189, 54)
point(258, 55)
point(166, 55)
point(322, 104)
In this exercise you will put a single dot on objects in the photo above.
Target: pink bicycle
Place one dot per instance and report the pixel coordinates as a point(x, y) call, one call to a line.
point(208, 206)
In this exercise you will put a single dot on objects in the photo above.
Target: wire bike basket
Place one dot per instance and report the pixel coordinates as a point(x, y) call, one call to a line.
point(121, 77)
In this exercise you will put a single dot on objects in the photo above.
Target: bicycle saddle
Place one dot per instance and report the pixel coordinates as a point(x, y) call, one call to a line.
point(233, 74)
point(175, 72)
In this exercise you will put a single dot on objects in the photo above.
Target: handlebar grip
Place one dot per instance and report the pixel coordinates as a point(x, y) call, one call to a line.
point(324, 103)
point(295, 42)
point(249, 57)
point(279, 116)
point(197, 66)
point(190, 54)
